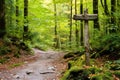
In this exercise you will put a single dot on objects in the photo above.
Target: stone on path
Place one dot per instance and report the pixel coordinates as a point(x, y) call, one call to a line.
point(29, 72)
point(17, 76)
point(47, 72)
point(51, 68)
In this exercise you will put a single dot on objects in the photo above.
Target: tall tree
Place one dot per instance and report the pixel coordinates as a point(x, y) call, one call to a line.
point(2, 19)
point(81, 23)
point(76, 26)
point(107, 13)
point(118, 9)
point(113, 19)
point(95, 11)
point(113, 9)
point(70, 36)
point(25, 19)
point(56, 26)
point(105, 7)
point(118, 3)
point(17, 11)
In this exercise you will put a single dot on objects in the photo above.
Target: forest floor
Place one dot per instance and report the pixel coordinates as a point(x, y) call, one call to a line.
point(44, 65)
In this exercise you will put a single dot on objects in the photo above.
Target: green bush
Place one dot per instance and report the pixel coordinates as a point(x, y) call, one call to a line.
point(108, 44)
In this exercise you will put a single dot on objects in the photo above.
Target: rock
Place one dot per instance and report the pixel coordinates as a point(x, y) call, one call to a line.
point(47, 72)
point(17, 76)
point(25, 62)
point(51, 68)
point(29, 72)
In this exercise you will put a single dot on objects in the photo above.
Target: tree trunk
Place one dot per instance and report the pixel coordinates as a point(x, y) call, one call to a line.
point(70, 36)
point(113, 9)
point(17, 11)
point(2, 19)
point(81, 24)
point(106, 12)
point(56, 45)
point(113, 19)
point(118, 4)
point(25, 33)
point(106, 8)
point(118, 9)
point(95, 11)
point(76, 26)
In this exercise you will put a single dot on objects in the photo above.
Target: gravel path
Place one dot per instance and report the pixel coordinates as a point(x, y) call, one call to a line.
point(48, 66)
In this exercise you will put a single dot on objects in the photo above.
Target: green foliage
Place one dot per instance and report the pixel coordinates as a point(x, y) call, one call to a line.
point(107, 44)
point(102, 77)
point(17, 55)
point(4, 50)
point(117, 61)
point(117, 74)
point(107, 65)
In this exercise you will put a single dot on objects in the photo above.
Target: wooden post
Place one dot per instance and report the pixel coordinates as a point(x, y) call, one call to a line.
point(86, 17)
point(86, 39)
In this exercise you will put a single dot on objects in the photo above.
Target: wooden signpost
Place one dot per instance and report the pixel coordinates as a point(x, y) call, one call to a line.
point(86, 17)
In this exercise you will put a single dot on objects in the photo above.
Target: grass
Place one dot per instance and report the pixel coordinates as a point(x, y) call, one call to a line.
point(16, 65)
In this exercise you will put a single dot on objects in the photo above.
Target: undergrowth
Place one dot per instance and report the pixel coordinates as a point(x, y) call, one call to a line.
point(105, 60)
point(13, 47)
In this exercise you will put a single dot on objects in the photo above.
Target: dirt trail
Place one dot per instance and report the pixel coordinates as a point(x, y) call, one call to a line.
point(48, 66)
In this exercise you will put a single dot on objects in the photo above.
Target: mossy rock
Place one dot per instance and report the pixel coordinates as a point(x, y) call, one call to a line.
point(76, 73)
point(92, 73)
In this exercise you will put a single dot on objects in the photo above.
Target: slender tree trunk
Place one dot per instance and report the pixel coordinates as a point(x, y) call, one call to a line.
point(113, 19)
point(81, 23)
point(95, 11)
point(113, 9)
point(25, 33)
point(106, 8)
point(76, 26)
point(2, 19)
point(70, 36)
point(118, 4)
point(56, 45)
point(118, 9)
point(17, 11)
point(106, 12)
